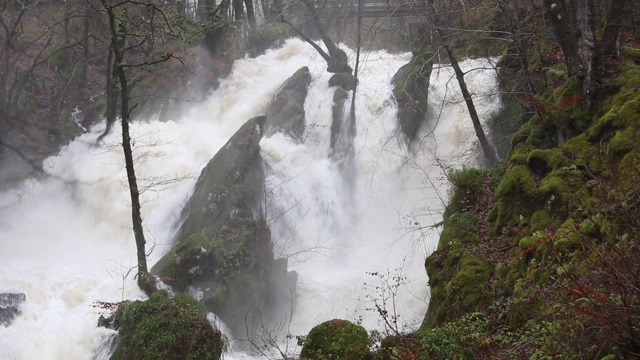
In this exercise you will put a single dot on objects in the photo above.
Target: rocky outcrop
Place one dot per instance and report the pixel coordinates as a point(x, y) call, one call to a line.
point(286, 112)
point(411, 90)
point(346, 80)
point(338, 62)
point(10, 307)
point(166, 327)
point(223, 248)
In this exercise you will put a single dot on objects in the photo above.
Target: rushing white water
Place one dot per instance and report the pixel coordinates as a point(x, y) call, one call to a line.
point(66, 242)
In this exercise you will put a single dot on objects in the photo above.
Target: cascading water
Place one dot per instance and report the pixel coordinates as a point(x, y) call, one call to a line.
point(66, 242)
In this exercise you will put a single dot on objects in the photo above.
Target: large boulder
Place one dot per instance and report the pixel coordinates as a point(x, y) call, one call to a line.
point(346, 80)
point(286, 112)
point(166, 328)
point(336, 339)
point(223, 248)
point(10, 307)
point(411, 90)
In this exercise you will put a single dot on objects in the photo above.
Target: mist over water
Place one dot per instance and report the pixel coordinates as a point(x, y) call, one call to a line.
point(66, 239)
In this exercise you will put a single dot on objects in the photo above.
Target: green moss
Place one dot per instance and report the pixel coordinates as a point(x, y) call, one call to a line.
point(165, 328)
point(556, 208)
point(630, 52)
point(567, 238)
point(336, 340)
point(540, 220)
point(543, 161)
point(459, 339)
point(519, 157)
point(518, 179)
point(526, 243)
point(629, 170)
point(458, 284)
point(556, 73)
point(195, 249)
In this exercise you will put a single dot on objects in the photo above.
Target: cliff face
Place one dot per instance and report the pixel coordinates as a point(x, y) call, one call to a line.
point(538, 255)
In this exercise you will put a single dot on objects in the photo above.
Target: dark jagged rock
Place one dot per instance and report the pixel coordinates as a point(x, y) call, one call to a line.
point(345, 80)
point(411, 90)
point(10, 307)
point(268, 36)
point(339, 62)
point(223, 247)
point(286, 112)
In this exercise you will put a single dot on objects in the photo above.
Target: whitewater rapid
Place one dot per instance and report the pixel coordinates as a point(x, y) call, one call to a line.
point(66, 239)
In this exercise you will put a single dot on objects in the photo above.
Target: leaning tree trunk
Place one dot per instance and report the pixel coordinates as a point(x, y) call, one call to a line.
point(487, 149)
point(338, 62)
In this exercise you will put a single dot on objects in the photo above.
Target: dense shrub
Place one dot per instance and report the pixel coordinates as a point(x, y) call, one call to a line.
point(336, 340)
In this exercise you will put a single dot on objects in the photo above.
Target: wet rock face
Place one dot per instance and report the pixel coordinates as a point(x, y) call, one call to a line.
point(411, 90)
point(286, 112)
point(10, 307)
point(344, 80)
point(223, 249)
point(339, 62)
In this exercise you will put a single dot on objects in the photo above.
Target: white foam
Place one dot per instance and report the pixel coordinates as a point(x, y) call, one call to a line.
point(65, 241)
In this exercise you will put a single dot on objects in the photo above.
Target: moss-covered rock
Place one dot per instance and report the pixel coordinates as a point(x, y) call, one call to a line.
point(286, 111)
point(336, 340)
point(165, 328)
point(411, 90)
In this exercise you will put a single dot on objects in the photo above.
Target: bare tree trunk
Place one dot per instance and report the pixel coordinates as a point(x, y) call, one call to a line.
point(586, 47)
point(563, 30)
point(338, 59)
point(86, 29)
point(238, 9)
point(251, 15)
point(515, 32)
point(611, 36)
point(487, 149)
point(145, 281)
point(112, 96)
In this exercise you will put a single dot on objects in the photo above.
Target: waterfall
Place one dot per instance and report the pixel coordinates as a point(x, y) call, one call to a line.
point(66, 239)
